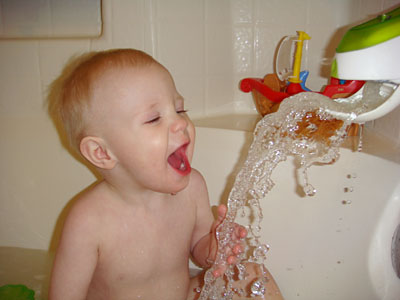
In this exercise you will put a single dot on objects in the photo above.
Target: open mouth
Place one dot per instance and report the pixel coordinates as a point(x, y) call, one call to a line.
point(179, 162)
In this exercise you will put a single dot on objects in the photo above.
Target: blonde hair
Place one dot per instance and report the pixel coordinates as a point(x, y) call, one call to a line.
point(75, 87)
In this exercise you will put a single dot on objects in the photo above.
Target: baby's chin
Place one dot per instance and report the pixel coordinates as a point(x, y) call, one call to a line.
point(175, 190)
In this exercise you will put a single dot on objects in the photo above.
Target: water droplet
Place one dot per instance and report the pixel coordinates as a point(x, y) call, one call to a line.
point(242, 271)
point(360, 138)
point(352, 175)
point(260, 252)
point(348, 189)
point(258, 287)
point(309, 190)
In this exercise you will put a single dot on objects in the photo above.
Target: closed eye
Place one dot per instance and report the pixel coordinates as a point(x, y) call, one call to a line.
point(181, 111)
point(153, 120)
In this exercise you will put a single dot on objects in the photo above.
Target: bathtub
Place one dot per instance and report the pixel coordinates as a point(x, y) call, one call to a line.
point(334, 245)
point(30, 267)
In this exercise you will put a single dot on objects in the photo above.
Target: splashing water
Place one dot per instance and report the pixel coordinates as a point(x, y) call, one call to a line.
point(304, 128)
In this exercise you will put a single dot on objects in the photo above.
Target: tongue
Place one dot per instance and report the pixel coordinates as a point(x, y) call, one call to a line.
point(179, 161)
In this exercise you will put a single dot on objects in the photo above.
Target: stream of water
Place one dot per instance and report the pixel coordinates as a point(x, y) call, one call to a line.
point(304, 128)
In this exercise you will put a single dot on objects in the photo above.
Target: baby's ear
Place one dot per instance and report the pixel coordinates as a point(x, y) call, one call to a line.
point(95, 150)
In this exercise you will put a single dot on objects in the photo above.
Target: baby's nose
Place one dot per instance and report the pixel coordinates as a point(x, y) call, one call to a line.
point(179, 123)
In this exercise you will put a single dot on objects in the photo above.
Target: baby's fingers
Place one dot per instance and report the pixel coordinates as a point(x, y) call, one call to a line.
point(240, 232)
point(221, 211)
point(231, 259)
point(219, 271)
point(237, 249)
point(221, 214)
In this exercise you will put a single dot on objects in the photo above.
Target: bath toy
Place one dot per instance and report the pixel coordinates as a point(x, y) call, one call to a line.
point(270, 82)
point(16, 292)
point(303, 79)
point(355, 64)
point(294, 86)
point(293, 80)
point(370, 52)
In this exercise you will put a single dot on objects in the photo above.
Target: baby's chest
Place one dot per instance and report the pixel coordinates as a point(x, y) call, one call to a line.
point(139, 250)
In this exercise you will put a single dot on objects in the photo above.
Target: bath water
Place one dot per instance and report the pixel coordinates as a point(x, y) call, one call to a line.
point(304, 128)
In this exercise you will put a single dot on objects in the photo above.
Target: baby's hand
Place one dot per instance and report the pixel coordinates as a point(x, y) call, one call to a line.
point(238, 235)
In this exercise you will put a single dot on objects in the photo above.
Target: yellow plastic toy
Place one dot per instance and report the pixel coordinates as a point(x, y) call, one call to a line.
point(295, 78)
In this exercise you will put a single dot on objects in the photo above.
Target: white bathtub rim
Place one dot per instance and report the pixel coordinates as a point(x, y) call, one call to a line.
point(383, 277)
point(373, 143)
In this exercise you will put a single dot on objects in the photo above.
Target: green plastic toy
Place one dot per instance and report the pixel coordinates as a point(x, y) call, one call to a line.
point(371, 33)
point(16, 292)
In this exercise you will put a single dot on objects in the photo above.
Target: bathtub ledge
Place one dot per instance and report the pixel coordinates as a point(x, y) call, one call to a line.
point(242, 122)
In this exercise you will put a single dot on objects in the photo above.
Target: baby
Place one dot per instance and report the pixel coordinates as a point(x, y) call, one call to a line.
point(130, 236)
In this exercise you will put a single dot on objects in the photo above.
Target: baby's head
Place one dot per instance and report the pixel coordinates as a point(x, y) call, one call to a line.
point(122, 112)
point(74, 100)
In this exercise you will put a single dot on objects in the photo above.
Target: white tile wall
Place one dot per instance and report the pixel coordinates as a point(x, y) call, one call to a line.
point(50, 18)
point(208, 45)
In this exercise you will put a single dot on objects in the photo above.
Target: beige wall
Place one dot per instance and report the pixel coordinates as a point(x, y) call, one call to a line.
point(208, 46)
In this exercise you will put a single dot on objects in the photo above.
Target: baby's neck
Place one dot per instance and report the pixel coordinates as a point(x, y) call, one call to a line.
point(134, 196)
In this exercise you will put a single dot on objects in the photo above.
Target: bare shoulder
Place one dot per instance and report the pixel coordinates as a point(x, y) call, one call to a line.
point(199, 194)
point(196, 175)
point(197, 181)
point(84, 214)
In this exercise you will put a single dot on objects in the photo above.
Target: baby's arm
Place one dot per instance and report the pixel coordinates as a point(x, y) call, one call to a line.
point(200, 247)
point(204, 241)
point(76, 257)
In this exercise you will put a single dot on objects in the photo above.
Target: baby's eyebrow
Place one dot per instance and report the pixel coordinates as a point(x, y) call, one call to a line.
point(144, 109)
point(179, 98)
point(150, 106)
